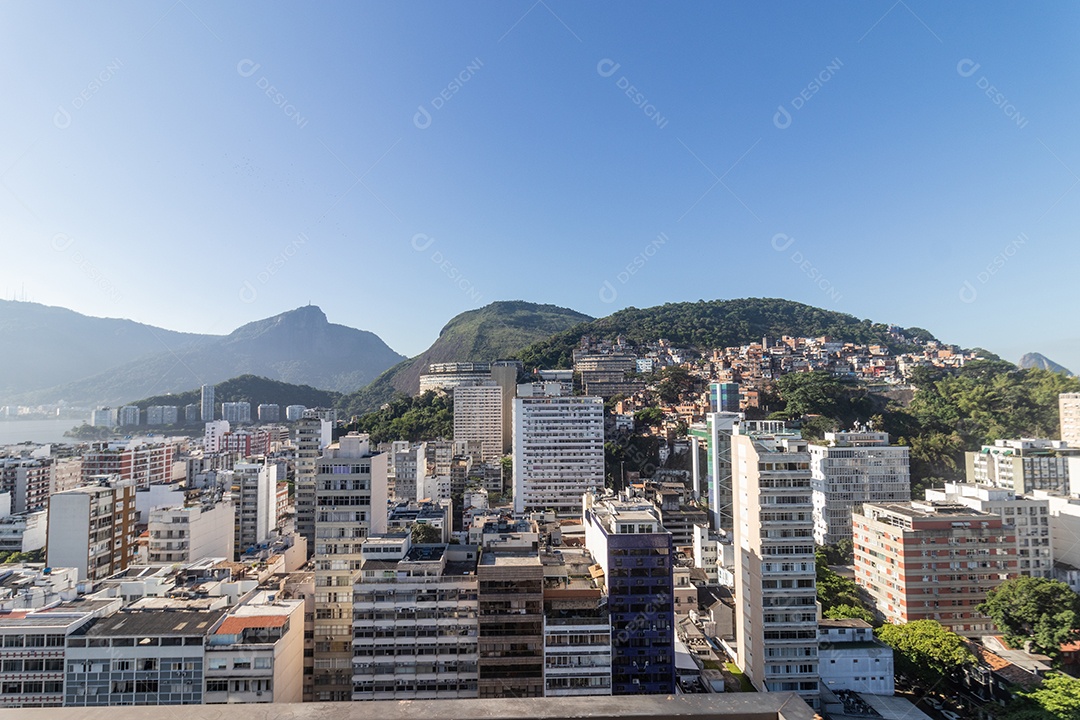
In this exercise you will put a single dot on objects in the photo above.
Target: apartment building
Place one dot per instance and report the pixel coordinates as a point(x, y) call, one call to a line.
point(144, 464)
point(851, 658)
point(415, 621)
point(236, 412)
point(510, 641)
point(350, 500)
point(92, 528)
point(313, 433)
point(32, 656)
point(1069, 414)
point(478, 417)
point(852, 468)
point(1026, 517)
point(932, 561)
point(256, 653)
point(636, 555)
point(1023, 465)
point(558, 451)
point(577, 627)
point(254, 494)
point(188, 533)
point(775, 578)
point(29, 481)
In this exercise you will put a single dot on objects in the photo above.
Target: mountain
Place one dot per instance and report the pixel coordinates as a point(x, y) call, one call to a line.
point(298, 347)
point(493, 332)
point(1038, 360)
point(718, 323)
point(48, 346)
point(253, 389)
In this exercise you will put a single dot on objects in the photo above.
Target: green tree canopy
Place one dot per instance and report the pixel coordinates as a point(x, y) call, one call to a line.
point(925, 650)
point(843, 612)
point(1057, 698)
point(424, 533)
point(1043, 611)
point(833, 589)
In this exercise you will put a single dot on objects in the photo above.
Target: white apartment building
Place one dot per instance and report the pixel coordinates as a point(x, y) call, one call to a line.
point(187, 534)
point(128, 415)
point(852, 468)
point(254, 493)
point(236, 412)
point(478, 416)
point(775, 576)
point(1028, 517)
point(206, 403)
point(213, 434)
point(92, 528)
point(851, 658)
point(256, 654)
point(162, 415)
point(1069, 407)
point(558, 451)
point(415, 621)
point(1023, 465)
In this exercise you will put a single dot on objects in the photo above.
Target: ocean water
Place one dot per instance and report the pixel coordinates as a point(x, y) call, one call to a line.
point(38, 431)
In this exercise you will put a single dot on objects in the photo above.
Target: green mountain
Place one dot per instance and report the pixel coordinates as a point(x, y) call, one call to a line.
point(716, 323)
point(493, 332)
point(251, 388)
point(1038, 360)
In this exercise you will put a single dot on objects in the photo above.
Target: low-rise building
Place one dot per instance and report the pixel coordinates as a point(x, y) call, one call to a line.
point(851, 658)
point(577, 627)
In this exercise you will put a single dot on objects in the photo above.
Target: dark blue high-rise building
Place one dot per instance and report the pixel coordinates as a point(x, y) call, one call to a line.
point(637, 555)
point(724, 397)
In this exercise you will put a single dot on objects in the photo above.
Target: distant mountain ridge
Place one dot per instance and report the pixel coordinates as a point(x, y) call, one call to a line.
point(496, 331)
point(298, 347)
point(1038, 360)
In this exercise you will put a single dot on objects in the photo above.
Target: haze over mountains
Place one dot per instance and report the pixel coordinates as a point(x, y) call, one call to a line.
point(81, 360)
point(63, 356)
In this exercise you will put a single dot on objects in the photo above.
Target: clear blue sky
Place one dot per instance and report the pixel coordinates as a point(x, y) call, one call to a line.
point(868, 157)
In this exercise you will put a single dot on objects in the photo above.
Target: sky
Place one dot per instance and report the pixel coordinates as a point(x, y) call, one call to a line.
point(198, 165)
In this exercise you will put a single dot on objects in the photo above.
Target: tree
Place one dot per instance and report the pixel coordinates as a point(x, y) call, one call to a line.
point(1057, 698)
point(833, 589)
point(925, 650)
point(843, 612)
point(650, 416)
point(1043, 611)
point(423, 533)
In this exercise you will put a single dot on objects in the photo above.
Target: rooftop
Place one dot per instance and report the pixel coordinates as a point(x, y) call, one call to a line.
point(730, 706)
point(236, 624)
point(164, 622)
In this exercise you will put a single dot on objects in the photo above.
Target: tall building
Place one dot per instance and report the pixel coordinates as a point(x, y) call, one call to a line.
point(558, 451)
point(294, 412)
point(192, 414)
point(1026, 517)
point(128, 416)
point(852, 468)
point(724, 397)
point(313, 433)
point(930, 561)
point(1023, 465)
point(510, 641)
point(103, 417)
point(162, 415)
point(269, 413)
point(236, 412)
point(504, 373)
point(254, 493)
point(716, 433)
point(449, 375)
point(29, 480)
point(92, 528)
point(144, 464)
point(415, 621)
point(776, 625)
point(213, 434)
point(478, 416)
point(636, 555)
point(1069, 409)
point(350, 502)
point(577, 627)
point(206, 403)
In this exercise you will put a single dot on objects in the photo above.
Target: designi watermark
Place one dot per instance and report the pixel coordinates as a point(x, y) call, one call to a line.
point(62, 119)
point(607, 68)
point(247, 68)
point(967, 68)
point(608, 293)
point(781, 242)
point(968, 292)
point(782, 119)
point(248, 292)
point(422, 242)
point(422, 119)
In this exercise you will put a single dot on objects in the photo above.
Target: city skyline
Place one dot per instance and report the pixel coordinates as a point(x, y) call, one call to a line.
point(198, 167)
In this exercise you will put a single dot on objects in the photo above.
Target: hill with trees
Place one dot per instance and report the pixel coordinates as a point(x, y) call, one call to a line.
point(716, 323)
point(253, 389)
point(493, 332)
